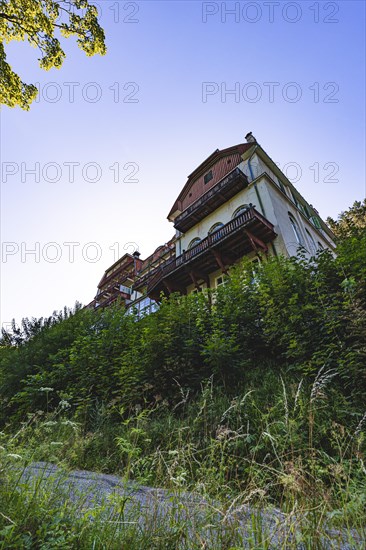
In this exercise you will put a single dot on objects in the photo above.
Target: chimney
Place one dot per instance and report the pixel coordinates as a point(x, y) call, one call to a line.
point(136, 254)
point(250, 138)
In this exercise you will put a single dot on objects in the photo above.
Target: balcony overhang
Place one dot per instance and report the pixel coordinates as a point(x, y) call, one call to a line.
point(220, 193)
point(118, 270)
point(104, 301)
point(245, 233)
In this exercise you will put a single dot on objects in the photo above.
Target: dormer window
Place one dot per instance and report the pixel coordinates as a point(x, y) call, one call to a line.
point(208, 177)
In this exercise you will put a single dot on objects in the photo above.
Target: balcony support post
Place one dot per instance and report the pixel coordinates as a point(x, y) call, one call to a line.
point(171, 287)
point(255, 241)
point(220, 261)
point(168, 286)
point(195, 276)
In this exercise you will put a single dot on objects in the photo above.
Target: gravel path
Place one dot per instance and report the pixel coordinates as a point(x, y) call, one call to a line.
point(150, 507)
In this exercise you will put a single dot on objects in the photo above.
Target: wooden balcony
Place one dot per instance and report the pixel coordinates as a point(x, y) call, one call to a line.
point(220, 193)
point(118, 271)
point(247, 232)
point(106, 301)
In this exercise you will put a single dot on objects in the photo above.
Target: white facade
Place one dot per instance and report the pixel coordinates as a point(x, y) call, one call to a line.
point(274, 197)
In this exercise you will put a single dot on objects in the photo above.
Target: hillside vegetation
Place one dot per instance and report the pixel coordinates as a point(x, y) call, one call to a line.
point(254, 393)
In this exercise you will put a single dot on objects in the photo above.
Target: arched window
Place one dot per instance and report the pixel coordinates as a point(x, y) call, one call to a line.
point(193, 242)
point(215, 228)
point(296, 230)
point(311, 242)
point(240, 210)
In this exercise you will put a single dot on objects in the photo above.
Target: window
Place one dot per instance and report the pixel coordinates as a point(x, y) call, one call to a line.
point(306, 210)
point(296, 230)
point(301, 207)
point(320, 246)
point(316, 222)
point(281, 185)
point(143, 307)
point(215, 227)
point(222, 280)
point(208, 177)
point(196, 290)
point(311, 243)
point(240, 210)
point(193, 242)
point(125, 289)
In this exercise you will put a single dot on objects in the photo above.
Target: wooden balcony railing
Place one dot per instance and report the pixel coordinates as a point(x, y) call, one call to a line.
point(119, 272)
point(113, 298)
point(219, 193)
point(210, 241)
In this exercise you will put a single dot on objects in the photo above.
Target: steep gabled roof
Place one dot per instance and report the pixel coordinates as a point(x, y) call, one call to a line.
point(204, 167)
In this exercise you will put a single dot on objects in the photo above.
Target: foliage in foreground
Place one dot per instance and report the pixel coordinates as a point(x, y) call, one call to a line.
point(245, 456)
point(38, 21)
point(252, 395)
point(290, 315)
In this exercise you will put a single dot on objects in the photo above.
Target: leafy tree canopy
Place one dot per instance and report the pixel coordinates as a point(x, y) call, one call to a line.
point(37, 21)
point(351, 222)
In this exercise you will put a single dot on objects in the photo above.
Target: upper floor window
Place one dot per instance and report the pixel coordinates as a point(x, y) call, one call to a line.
point(282, 187)
point(294, 198)
point(193, 242)
point(311, 242)
point(208, 177)
point(296, 230)
point(240, 210)
point(215, 228)
point(316, 222)
point(306, 210)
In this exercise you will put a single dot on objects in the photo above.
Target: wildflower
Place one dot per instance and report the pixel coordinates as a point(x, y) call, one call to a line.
point(14, 455)
point(321, 380)
point(223, 432)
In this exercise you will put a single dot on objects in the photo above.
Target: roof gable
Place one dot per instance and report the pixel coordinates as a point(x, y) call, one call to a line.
point(204, 167)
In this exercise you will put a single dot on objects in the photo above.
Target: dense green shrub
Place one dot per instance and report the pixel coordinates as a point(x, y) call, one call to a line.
point(290, 314)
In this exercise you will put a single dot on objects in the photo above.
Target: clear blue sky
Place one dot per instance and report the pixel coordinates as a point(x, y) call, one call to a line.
point(145, 106)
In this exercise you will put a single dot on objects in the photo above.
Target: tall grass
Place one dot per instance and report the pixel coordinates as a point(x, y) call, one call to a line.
point(270, 468)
